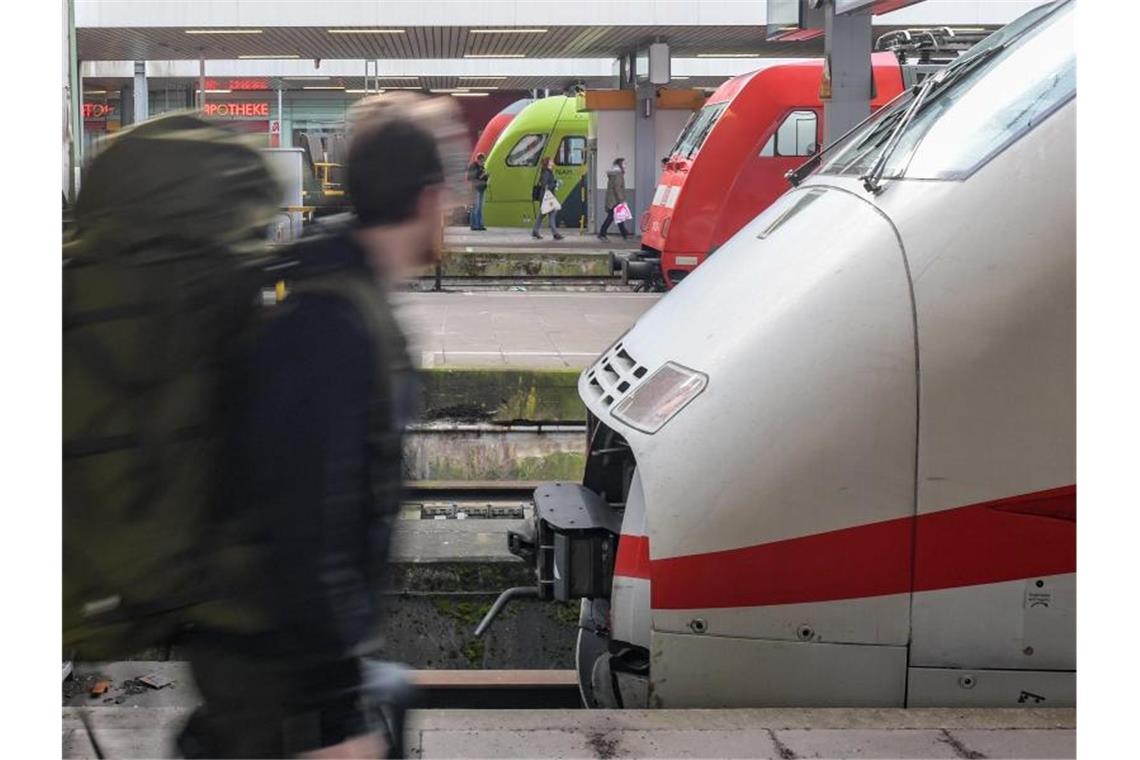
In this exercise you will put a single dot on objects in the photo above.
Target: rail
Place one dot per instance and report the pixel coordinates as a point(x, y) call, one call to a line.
point(497, 689)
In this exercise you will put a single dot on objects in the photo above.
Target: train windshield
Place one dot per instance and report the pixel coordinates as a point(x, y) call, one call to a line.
point(697, 130)
point(972, 110)
point(527, 150)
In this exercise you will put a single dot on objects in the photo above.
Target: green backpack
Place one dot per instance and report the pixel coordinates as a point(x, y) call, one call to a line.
point(165, 270)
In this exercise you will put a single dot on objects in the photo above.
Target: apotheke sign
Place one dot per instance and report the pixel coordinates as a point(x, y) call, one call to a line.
point(240, 110)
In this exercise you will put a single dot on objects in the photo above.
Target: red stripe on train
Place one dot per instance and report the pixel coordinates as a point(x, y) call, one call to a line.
point(632, 559)
point(1007, 539)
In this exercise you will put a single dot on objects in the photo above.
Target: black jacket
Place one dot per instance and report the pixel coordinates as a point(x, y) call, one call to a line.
point(547, 180)
point(477, 175)
point(300, 416)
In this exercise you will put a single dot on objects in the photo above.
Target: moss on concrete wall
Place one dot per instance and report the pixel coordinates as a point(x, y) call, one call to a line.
point(501, 395)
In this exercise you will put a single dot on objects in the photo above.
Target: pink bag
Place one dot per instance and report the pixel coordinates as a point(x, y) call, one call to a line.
point(622, 213)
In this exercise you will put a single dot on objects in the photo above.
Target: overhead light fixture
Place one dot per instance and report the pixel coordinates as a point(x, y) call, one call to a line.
point(365, 92)
point(222, 31)
point(507, 31)
point(447, 90)
point(680, 77)
point(365, 31)
point(481, 87)
point(386, 76)
point(266, 57)
point(322, 87)
point(470, 94)
point(94, 92)
point(216, 92)
point(400, 87)
point(494, 55)
point(728, 55)
point(489, 77)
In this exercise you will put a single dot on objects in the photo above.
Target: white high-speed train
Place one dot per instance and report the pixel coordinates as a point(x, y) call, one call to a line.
point(836, 465)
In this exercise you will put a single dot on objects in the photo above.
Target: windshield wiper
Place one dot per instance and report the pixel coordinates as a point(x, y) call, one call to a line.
point(946, 76)
point(873, 180)
point(796, 176)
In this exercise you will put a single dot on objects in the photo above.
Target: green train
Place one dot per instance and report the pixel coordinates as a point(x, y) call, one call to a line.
point(548, 127)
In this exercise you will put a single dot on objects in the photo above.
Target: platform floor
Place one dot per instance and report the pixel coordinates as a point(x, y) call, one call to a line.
point(512, 329)
point(131, 723)
point(781, 734)
point(508, 238)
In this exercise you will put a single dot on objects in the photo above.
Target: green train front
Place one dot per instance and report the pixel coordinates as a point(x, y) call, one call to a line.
point(548, 127)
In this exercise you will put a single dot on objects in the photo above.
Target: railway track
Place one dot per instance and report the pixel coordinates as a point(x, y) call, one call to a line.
point(527, 282)
point(468, 490)
point(497, 689)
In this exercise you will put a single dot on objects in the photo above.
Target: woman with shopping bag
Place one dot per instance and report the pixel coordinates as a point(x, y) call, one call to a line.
point(616, 207)
point(549, 205)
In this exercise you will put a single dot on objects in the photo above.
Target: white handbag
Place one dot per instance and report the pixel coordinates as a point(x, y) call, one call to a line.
point(549, 203)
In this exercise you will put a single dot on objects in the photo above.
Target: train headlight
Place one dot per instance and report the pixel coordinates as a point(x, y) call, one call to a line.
point(663, 394)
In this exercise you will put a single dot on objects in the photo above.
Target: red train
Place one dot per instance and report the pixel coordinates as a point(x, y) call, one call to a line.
point(729, 162)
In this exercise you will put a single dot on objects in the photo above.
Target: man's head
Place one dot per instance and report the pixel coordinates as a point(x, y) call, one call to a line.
point(400, 160)
point(481, 158)
point(619, 163)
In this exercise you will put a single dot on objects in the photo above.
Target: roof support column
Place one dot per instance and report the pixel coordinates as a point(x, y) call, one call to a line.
point(276, 139)
point(74, 109)
point(644, 151)
point(647, 152)
point(847, 47)
point(142, 101)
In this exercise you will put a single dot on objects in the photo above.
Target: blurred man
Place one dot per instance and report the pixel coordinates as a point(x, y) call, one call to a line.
point(315, 411)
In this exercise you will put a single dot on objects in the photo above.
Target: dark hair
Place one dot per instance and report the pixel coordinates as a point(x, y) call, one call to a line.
point(480, 155)
point(391, 159)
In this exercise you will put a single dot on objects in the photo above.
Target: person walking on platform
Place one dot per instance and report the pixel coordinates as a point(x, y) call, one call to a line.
point(232, 461)
point(477, 176)
point(548, 204)
point(313, 447)
point(615, 196)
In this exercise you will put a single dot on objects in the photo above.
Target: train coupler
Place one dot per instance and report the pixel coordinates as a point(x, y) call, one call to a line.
point(571, 543)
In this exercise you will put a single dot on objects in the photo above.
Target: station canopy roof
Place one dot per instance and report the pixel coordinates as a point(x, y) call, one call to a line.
point(420, 29)
point(439, 41)
point(555, 74)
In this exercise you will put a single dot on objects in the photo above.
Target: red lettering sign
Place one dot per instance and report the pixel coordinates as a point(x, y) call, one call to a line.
point(232, 110)
point(237, 84)
point(97, 110)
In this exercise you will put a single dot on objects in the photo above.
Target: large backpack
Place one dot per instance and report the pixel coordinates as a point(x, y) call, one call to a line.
point(165, 270)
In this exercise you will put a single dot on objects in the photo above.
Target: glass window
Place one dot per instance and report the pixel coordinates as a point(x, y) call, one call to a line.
point(981, 104)
point(571, 151)
point(677, 143)
point(698, 130)
point(526, 151)
point(794, 137)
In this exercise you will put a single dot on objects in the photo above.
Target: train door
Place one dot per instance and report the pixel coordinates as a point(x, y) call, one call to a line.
point(568, 149)
point(793, 136)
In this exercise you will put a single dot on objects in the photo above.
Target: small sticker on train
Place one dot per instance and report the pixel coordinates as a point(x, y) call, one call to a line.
point(1036, 595)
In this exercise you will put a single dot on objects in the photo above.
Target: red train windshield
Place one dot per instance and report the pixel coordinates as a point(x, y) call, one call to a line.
point(697, 130)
